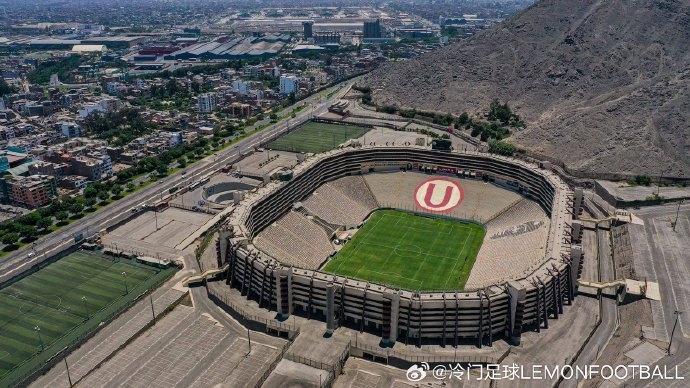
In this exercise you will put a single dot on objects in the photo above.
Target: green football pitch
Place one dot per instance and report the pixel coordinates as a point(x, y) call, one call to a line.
point(316, 137)
point(64, 300)
point(410, 252)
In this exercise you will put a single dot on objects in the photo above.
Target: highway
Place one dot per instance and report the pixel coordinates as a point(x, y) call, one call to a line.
point(18, 261)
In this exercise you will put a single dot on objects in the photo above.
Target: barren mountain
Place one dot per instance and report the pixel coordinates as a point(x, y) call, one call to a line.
point(604, 85)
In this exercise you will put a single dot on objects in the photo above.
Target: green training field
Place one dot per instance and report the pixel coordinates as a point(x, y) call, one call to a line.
point(51, 299)
point(410, 251)
point(316, 137)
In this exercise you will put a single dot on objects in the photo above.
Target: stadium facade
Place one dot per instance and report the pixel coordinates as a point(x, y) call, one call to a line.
point(499, 310)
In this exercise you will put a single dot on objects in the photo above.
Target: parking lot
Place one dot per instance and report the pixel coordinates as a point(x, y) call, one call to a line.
point(167, 228)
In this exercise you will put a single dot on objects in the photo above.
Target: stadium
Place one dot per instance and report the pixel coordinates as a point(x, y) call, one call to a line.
point(412, 244)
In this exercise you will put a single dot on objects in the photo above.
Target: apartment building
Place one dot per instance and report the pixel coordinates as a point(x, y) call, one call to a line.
point(32, 191)
point(288, 84)
point(207, 102)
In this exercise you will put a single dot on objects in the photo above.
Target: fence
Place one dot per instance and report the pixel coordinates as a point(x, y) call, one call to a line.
point(6, 279)
point(273, 365)
point(204, 209)
point(402, 360)
point(74, 338)
point(336, 122)
point(250, 321)
point(333, 370)
point(199, 251)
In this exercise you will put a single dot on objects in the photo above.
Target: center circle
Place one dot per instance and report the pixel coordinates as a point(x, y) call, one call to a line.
point(438, 195)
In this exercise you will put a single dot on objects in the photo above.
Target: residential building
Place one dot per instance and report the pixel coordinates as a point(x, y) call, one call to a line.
point(112, 88)
point(58, 170)
point(174, 138)
point(69, 130)
point(308, 29)
point(372, 29)
point(206, 102)
point(10, 159)
point(32, 191)
point(103, 105)
point(7, 133)
point(95, 166)
point(288, 84)
point(241, 87)
point(73, 182)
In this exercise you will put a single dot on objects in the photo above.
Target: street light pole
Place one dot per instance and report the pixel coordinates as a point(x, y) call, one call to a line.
point(153, 313)
point(69, 378)
point(677, 211)
point(124, 278)
point(677, 313)
point(38, 331)
point(86, 307)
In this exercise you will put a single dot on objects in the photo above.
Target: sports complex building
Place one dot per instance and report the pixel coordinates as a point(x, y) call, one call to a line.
point(280, 250)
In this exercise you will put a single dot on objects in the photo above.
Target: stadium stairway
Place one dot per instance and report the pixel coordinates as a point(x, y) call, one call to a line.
point(204, 275)
point(505, 210)
point(326, 226)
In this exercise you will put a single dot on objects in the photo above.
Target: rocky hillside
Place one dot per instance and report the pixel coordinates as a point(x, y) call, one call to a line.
point(604, 85)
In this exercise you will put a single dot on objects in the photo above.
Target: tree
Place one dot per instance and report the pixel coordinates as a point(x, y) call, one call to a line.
point(30, 219)
point(90, 202)
point(390, 109)
point(162, 169)
point(130, 186)
point(61, 215)
point(27, 232)
point(91, 191)
point(103, 195)
point(500, 112)
point(44, 223)
point(62, 67)
point(462, 119)
point(76, 208)
point(196, 87)
point(501, 148)
point(5, 88)
point(644, 180)
point(116, 190)
point(68, 201)
point(55, 206)
point(10, 238)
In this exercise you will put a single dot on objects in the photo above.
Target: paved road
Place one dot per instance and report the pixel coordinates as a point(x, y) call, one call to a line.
point(668, 260)
point(668, 263)
point(46, 246)
point(608, 307)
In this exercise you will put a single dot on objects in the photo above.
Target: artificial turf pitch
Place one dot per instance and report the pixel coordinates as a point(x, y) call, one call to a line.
point(316, 137)
point(51, 299)
point(410, 251)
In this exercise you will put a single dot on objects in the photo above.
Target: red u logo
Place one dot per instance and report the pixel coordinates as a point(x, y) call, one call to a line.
point(438, 195)
point(430, 192)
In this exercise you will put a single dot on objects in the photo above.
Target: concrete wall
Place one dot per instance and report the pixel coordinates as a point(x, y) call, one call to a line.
point(445, 317)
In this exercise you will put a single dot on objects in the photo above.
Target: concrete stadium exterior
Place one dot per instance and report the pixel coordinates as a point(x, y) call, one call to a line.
point(497, 310)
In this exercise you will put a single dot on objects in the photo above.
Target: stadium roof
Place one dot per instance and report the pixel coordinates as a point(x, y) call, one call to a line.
point(307, 47)
point(88, 48)
point(54, 41)
point(238, 47)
